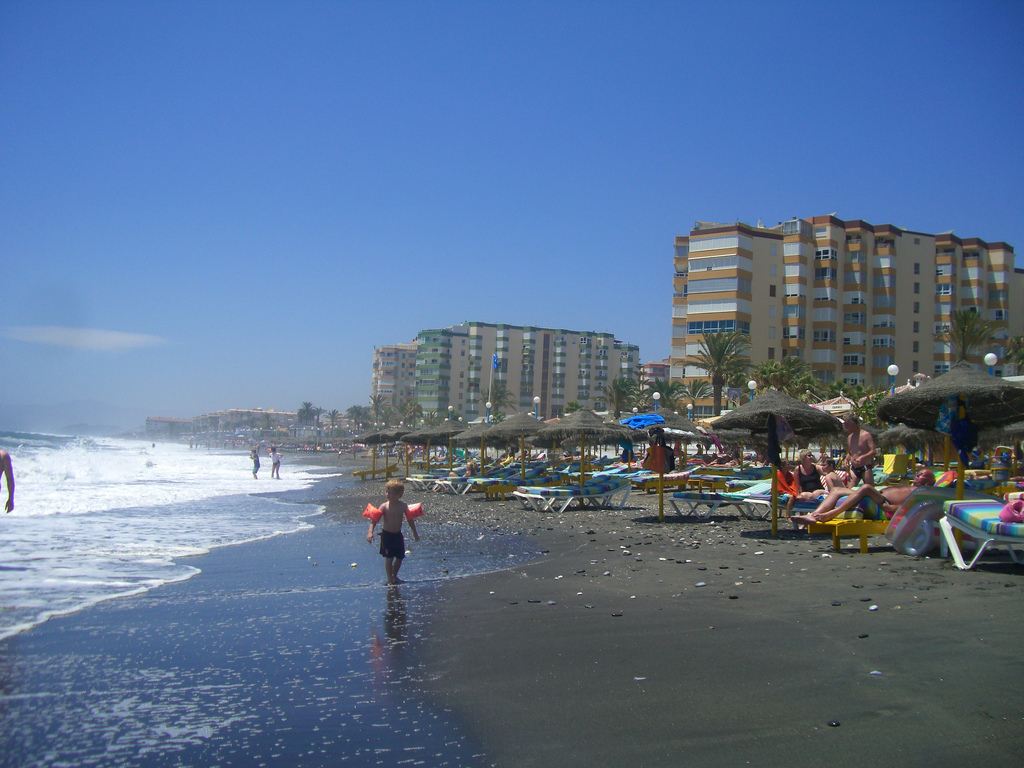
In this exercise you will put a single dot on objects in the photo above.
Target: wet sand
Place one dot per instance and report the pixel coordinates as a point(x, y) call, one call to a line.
point(630, 641)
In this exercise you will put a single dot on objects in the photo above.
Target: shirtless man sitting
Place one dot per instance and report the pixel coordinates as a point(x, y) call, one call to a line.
point(888, 499)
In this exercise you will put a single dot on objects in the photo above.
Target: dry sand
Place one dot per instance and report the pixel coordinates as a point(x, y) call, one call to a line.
point(633, 642)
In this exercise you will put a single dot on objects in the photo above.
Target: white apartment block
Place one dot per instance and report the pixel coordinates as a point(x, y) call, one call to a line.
point(394, 374)
point(848, 297)
point(456, 367)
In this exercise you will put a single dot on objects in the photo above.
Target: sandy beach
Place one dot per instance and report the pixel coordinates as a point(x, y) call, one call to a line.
point(612, 640)
point(629, 641)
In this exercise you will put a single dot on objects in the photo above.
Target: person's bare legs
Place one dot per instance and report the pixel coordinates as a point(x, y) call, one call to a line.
point(851, 501)
point(389, 569)
point(394, 572)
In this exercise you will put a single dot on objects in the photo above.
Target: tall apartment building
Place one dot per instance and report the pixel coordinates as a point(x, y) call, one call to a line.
point(394, 373)
point(456, 367)
point(848, 297)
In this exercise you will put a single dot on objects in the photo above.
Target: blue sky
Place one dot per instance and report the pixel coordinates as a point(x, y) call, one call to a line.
point(217, 204)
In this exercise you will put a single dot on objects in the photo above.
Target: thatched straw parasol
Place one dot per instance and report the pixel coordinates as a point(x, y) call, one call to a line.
point(521, 425)
point(806, 422)
point(374, 439)
point(440, 433)
point(391, 435)
point(583, 426)
point(990, 402)
point(902, 436)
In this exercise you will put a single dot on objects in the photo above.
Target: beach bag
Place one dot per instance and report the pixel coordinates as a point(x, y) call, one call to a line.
point(1013, 512)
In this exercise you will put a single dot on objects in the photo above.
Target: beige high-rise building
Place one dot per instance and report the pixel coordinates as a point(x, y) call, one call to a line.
point(458, 366)
point(394, 374)
point(849, 297)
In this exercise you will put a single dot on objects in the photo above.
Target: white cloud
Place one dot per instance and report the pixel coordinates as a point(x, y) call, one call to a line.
point(81, 338)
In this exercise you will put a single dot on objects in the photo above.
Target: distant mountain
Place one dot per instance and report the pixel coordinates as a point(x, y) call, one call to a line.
point(79, 417)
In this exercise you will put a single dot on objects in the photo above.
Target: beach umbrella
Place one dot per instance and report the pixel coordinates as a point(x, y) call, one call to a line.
point(988, 401)
point(474, 434)
point(427, 435)
point(521, 425)
point(910, 438)
point(374, 439)
point(392, 435)
point(804, 420)
point(584, 426)
point(683, 428)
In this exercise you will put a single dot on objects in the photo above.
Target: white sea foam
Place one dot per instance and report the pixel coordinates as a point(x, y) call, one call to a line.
point(96, 519)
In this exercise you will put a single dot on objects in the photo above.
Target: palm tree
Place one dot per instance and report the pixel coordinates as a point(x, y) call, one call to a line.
point(333, 416)
point(359, 415)
point(305, 413)
point(619, 394)
point(499, 397)
point(317, 413)
point(968, 334)
point(377, 403)
point(671, 393)
point(696, 389)
point(412, 411)
point(723, 356)
point(792, 375)
point(1015, 353)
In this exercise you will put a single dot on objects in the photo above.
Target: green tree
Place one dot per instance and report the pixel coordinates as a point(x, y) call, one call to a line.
point(1015, 353)
point(411, 411)
point(334, 416)
point(724, 357)
point(377, 404)
point(572, 406)
point(969, 333)
point(361, 416)
point(694, 390)
point(619, 394)
point(671, 394)
point(305, 413)
point(500, 399)
point(431, 419)
point(791, 375)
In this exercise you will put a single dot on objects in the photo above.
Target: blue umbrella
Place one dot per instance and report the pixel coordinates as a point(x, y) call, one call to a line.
point(643, 420)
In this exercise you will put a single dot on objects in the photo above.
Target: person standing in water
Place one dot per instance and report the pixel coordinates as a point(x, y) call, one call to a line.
point(254, 454)
point(275, 462)
point(8, 472)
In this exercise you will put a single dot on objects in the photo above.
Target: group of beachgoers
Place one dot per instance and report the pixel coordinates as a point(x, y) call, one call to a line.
point(840, 491)
point(275, 461)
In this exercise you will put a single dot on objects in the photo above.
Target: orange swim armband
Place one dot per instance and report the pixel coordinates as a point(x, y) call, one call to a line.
point(416, 510)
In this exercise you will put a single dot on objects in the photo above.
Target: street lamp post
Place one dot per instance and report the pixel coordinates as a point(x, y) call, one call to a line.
point(450, 409)
point(689, 410)
point(657, 397)
point(487, 405)
point(894, 371)
point(751, 385)
point(990, 360)
point(536, 406)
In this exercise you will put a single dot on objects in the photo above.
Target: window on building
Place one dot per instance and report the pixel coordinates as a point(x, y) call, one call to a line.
point(917, 287)
point(917, 268)
point(914, 366)
point(771, 290)
point(917, 346)
point(917, 307)
point(771, 353)
point(917, 326)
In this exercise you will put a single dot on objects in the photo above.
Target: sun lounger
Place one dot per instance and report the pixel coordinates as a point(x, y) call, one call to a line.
point(979, 520)
point(703, 505)
point(611, 493)
point(648, 481)
point(373, 474)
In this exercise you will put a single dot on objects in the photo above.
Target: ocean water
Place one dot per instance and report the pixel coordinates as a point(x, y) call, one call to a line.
point(287, 651)
point(96, 519)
